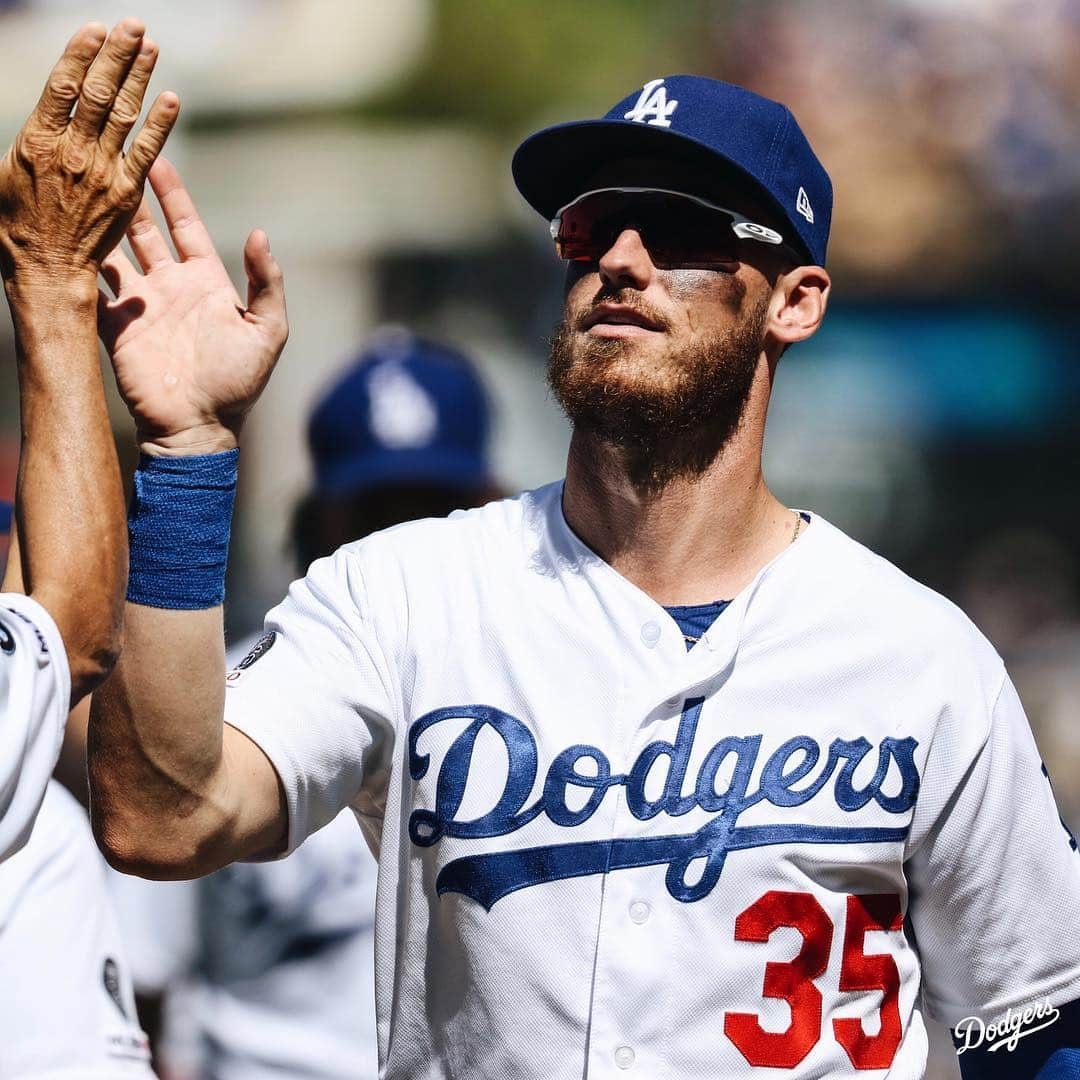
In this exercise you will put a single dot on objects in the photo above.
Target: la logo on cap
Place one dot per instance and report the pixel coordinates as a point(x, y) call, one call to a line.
point(653, 102)
point(402, 412)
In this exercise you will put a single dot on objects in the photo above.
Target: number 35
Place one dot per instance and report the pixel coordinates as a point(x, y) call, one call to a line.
point(793, 981)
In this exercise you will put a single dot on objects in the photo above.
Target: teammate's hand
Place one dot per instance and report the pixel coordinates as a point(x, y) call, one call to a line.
point(67, 192)
point(190, 358)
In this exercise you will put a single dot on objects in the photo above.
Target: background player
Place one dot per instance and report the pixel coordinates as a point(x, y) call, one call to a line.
point(276, 962)
point(66, 196)
point(477, 686)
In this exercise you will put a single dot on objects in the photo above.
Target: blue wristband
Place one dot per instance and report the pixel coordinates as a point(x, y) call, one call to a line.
point(178, 530)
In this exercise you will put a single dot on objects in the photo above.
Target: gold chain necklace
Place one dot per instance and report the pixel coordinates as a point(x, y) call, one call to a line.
point(798, 525)
point(799, 522)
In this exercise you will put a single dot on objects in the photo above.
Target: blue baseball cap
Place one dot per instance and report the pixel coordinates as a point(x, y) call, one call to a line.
point(697, 121)
point(406, 411)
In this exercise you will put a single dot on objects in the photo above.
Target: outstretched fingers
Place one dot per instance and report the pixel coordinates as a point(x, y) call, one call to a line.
point(105, 77)
point(189, 235)
point(150, 140)
point(147, 243)
point(129, 99)
point(266, 283)
point(66, 80)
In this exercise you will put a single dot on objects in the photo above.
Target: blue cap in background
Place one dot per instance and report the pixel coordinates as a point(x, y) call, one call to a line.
point(6, 511)
point(698, 121)
point(407, 411)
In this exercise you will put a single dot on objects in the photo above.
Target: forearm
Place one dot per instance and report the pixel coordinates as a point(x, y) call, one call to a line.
point(174, 792)
point(72, 546)
point(155, 738)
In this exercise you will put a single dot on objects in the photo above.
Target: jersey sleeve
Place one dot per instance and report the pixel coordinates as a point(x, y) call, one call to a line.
point(35, 693)
point(995, 881)
point(317, 696)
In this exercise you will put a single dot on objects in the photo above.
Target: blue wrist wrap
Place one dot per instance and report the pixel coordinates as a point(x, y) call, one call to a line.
point(178, 530)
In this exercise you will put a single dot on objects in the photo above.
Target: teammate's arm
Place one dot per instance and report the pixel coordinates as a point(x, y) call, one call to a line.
point(175, 792)
point(66, 195)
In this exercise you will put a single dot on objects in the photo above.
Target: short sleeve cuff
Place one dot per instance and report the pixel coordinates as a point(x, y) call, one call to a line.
point(286, 767)
point(41, 634)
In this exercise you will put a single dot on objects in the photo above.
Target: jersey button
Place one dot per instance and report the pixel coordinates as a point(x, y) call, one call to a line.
point(650, 633)
point(624, 1057)
point(639, 912)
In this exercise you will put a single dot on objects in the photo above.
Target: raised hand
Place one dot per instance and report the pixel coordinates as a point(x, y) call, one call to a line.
point(190, 357)
point(67, 192)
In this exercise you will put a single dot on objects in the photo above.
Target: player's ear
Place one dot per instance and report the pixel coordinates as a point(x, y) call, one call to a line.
point(800, 297)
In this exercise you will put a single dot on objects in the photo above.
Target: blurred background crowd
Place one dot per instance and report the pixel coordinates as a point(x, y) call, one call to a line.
point(934, 415)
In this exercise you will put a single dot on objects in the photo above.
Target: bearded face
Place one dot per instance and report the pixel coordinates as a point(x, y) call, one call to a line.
point(672, 378)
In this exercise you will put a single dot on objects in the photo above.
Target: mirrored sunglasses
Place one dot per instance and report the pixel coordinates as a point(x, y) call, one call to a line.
point(678, 230)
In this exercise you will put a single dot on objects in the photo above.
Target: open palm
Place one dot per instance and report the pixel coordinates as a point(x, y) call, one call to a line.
point(190, 357)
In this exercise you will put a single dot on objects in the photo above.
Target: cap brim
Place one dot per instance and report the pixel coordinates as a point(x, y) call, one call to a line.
point(453, 468)
point(551, 168)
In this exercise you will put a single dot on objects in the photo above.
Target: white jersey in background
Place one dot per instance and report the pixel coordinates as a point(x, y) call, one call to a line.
point(67, 1011)
point(601, 852)
point(35, 694)
point(285, 985)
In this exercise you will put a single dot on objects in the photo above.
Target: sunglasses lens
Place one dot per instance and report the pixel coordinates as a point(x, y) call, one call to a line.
point(676, 232)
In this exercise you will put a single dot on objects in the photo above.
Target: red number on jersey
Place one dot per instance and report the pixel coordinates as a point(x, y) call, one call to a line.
point(874, 972)
point(792, 981)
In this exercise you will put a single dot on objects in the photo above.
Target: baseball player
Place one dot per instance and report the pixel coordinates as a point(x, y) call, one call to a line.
point(66, 196)
point(665, 778)
point(277, 958)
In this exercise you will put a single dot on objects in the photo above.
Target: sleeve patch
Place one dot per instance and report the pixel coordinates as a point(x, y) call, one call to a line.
point(10, 646)
point(258, 651)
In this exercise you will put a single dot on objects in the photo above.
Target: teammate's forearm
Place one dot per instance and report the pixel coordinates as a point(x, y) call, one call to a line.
point(69, 498)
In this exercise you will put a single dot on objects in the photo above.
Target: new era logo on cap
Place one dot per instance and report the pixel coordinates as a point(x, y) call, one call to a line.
point(802, 204)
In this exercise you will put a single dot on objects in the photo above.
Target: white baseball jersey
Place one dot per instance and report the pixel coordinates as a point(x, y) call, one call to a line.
point(602, 855)
point(35, 694)
point(67, 1011)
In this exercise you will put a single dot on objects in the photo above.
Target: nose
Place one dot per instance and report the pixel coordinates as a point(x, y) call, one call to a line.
point(627, 261)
